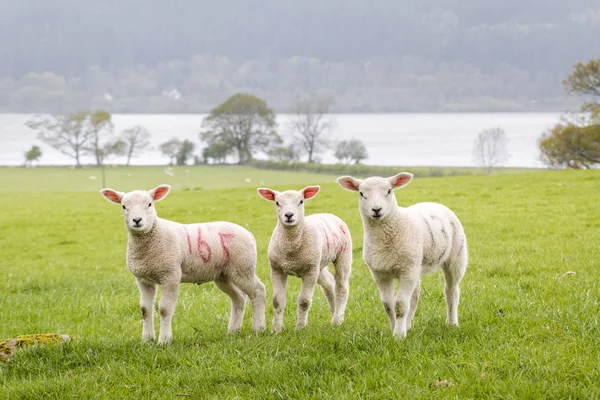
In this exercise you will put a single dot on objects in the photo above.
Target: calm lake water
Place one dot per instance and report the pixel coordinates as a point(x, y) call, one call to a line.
point(391, 139)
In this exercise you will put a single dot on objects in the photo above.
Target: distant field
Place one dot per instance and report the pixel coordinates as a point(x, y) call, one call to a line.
point(528, 329)
point(61, 179)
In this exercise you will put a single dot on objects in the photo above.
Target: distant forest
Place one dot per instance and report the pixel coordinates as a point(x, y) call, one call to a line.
point(378, 56)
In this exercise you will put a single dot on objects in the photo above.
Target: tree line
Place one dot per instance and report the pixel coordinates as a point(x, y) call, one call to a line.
point(242, 127)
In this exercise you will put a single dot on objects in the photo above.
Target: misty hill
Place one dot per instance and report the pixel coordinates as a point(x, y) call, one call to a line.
point(274, 47)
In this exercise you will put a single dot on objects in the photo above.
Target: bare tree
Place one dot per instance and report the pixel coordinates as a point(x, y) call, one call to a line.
point(310, 122)
point(66, 133)
point(137, 139)
point(490, 148)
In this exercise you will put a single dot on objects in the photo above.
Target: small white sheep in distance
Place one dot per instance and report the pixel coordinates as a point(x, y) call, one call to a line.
point(303, 247)
point(168, 253)
point(402, 243)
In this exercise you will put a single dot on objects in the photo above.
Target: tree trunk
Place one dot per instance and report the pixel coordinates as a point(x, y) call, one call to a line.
point(77, 163)
point(129, 155)
point(310, 156)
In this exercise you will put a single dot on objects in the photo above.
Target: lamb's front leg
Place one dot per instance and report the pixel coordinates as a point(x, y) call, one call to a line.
point(385, 284)
point(166, 309)
point(147, 296)
point(279, 282)
point(406, 287)
point(307, 290)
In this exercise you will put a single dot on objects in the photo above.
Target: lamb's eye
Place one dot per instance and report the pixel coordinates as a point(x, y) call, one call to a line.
point(277, 204)
point(124, 208)
point(301, 202)
point(150, 205)
point(389, 191)
point(362, 195)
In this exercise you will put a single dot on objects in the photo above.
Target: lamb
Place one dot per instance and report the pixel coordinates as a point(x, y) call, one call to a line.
point(303, 247)
point(402, 243)
point(168, 253)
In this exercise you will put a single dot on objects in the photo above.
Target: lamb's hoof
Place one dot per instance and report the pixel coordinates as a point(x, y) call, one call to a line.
point(337, 321)
point(163, 341)
point(147, 338)
point(260, 329)
point(452, 323)
point(277, 329)
point(234, 331)
point(399, 335)
point(299, 327)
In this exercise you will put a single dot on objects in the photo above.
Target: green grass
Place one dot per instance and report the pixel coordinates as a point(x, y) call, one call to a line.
point(64, 179)
point(527, 330)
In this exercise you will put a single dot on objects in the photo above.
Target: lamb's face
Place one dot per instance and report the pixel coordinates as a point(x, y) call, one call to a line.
point(289, 204)
point(138, 206)
point(138, 210)
point(376, 195)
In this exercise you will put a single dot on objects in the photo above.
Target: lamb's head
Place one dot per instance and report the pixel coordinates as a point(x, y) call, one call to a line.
point(138, 206)
point(289, 204)
point(376, 194)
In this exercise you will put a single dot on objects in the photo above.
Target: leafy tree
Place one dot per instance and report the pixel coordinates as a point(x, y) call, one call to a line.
point(66, 133)
point(287, 153)
point(32, 155)
point(100, 125)
point(310, 122)
point(136, 139)
point(217, 152)
point(170, 149)
point(348, 151)
point(490, 148)
point(184, 152)
point(571, 146)
point(585, 78)
point(244, 123)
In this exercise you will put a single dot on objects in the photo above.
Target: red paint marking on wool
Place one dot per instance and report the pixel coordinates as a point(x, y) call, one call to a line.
point(326, 236)
point(224, 236)
point(203, 244)
point(189, 240)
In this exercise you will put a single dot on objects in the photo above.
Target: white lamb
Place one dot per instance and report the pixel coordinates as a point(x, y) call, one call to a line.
point(167, 253)
point(303, 247)
point(401, 243)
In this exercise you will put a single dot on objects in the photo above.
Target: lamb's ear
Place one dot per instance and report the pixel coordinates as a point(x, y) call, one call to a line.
point(267, 193)
point(160, 192)
point(349, 183)
point(112, 195)
point(400, 180)
point(310, 191)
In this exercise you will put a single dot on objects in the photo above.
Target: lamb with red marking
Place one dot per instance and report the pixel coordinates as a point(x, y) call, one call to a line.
point(304, 247)
point(167, 253)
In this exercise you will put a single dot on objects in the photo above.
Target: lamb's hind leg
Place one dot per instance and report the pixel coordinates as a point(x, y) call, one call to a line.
point(343, 269)
point(414, 301)
point(238, 303)
point(255, 290)
point(327, 284)
point(454, 271)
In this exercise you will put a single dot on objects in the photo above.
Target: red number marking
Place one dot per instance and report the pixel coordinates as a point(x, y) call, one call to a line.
point(202, 244)
point(189, 240)
point(224, 236)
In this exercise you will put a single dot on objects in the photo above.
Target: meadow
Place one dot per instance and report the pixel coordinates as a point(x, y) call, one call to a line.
point(529, 328)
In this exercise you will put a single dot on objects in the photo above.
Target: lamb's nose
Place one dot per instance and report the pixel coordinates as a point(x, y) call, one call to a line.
point(137, 220)
point(376, 209)
point(289, 215)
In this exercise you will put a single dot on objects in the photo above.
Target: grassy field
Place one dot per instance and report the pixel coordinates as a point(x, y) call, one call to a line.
point(528, 329)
